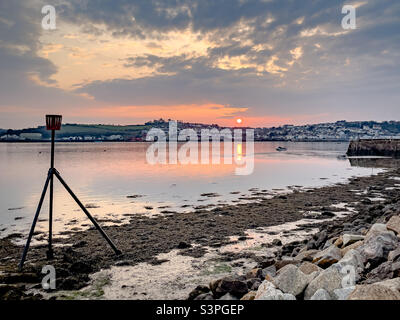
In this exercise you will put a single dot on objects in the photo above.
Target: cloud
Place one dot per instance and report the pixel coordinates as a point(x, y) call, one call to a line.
point(282, 59)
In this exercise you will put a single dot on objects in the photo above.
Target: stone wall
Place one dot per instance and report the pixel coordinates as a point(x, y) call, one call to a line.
point(375, 147)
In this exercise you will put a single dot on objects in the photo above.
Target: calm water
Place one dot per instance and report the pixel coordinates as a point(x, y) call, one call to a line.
point(104, 174)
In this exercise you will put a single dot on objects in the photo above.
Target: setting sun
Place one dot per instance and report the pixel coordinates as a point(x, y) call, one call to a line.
point(239, 121)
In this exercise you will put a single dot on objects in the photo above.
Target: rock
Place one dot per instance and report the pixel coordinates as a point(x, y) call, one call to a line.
point(396, 269)
point(228, 296)
point(11, 292)
point(266, 263)
point(311, 214)
point(328, 257)
point(253, 284)
point(204, 296)
point(355, 245)
point(342, 293)
point(339, 242)
point(327, 244)
point(277, 242)
point(350, 266)
point(285, 261)
point(249, 295)
point(22, 277)
point(394, 224)
point(254, 273)
point(184, 245)
point(329, 279)
point(122, 263)
point(376, 247)
point(267, 291)
point(351, 238)
point(291, 280)
point(306, 255)
point(385, 290)
point(327, 214)
point(394, 254)
point(308, 268)
point(198, 291)
point(231, 285)
point(352, 258)
point(214, 284)
point(318, 240)
point(375, 230)
point(382, 272)
point(270, 271)
point(321, 294)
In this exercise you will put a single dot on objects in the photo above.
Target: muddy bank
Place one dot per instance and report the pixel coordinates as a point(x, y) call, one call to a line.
point(84, 253)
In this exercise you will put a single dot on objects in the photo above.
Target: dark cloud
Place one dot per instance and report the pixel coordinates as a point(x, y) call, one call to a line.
point(353, 74)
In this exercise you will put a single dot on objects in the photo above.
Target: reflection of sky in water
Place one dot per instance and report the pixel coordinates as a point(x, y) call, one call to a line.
point(104, 174)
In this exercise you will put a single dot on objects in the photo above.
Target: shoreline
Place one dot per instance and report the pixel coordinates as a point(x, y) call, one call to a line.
point(122, 141)
point(85, 253)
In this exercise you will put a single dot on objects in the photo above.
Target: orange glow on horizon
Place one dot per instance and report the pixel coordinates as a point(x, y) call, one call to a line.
point(209, 113)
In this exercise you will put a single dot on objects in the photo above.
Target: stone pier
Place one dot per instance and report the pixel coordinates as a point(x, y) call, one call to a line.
point(374, 147)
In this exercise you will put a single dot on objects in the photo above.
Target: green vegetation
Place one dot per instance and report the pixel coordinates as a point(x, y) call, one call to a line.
point(218, 268)
point(96, 131)
point(94, 291)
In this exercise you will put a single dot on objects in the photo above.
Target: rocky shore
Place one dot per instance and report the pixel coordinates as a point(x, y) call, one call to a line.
point(353, 258)
point(296, 270)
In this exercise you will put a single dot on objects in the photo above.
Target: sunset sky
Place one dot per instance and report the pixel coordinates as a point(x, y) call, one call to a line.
point(268, 62)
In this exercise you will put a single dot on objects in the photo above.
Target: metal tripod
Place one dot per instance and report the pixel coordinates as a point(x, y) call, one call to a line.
point(49, 181)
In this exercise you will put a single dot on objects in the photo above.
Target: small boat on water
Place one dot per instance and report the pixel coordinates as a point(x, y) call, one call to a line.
point(280, 149)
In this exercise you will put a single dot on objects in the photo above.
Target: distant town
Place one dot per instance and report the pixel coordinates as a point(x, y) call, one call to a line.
point(337, 131)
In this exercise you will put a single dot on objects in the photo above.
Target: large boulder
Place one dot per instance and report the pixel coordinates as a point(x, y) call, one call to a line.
point(268, 271)
point(394, 255)
point(355, 245)
point(234, 285)
point(318, 240)
point(291, 280)
point(205, 296)
point(351, 238)
point(308, 268)
point(329, 279)
point(228, 296)
point(385, 290)
point(321, 294)
point(328, 257)
point(351, 264)
point(352, 258)
point(249, 295)
point(285, 261)
point(382, 272)
point(375, 230)
point(342, 293)
point(254, 273)
point(198, 291)
point(376, 247)
point(306, 255)
point(394, 224)
point(267, 291)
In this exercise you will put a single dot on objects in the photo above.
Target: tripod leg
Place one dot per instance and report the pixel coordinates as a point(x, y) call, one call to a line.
point(21, 264)
point(86, 212)
point(50, 250)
